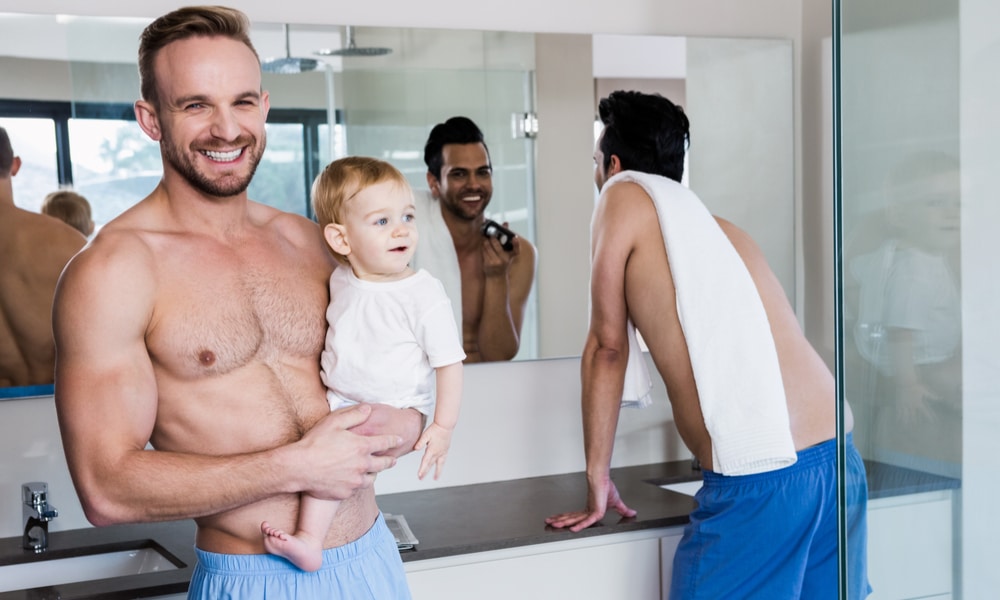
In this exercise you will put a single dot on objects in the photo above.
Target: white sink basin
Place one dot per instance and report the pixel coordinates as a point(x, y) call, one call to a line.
point(688, 488)
point(82, 568)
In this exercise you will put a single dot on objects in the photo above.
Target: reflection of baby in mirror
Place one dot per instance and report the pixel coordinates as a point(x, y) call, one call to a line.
point(392, 336)
point(910, 311)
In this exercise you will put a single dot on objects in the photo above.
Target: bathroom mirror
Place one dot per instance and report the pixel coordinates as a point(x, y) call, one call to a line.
point(738, 93)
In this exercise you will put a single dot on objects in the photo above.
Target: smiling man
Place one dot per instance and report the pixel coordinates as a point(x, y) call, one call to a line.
point(194, 322)
point(492, 282)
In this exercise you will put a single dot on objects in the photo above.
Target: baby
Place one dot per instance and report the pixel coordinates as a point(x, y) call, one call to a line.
point(392, 336)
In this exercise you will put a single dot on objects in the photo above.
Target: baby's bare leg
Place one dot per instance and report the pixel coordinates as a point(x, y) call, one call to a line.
point(304, 549)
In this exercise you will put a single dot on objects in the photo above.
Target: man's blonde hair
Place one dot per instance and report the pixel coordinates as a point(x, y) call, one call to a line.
point(181, 24)
point(342, 180)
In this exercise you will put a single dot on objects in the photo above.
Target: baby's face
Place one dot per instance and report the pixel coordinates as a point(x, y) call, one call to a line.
point(380, 224)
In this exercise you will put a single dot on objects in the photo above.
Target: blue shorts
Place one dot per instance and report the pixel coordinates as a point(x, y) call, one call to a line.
point(774, 535)
point(368, 568)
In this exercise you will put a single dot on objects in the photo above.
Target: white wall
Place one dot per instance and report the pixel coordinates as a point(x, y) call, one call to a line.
point(762, 18)
point(979, 94)
point(564, 187)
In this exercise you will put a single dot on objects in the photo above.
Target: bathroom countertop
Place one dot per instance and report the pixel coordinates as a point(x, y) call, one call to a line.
point(175, 537)
point(446, 521)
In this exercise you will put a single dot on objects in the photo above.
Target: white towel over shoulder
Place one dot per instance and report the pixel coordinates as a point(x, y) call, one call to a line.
point(727, 333)
point(436, 250)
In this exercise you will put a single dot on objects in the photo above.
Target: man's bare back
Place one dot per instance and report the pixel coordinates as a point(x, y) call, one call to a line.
point(651, 300)
point(34, 248)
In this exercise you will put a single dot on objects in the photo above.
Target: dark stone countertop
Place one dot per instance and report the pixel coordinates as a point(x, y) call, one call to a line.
point(446, 521)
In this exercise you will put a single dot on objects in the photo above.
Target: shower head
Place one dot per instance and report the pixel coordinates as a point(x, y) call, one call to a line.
point(352, 49)
point(288, 64)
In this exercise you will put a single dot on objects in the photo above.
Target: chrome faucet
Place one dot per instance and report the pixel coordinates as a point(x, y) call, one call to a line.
point(37, 513)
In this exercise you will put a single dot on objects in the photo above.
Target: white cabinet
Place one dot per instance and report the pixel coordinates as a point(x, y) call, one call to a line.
point(668, 548)
point(910, 546)
point(626, 565)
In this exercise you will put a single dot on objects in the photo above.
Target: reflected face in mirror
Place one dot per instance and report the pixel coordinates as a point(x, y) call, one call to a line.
point(465, 184)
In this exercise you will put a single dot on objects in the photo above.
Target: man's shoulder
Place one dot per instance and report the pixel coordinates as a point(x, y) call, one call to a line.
point(29, 231)
point(32, 223)
point(295, 228)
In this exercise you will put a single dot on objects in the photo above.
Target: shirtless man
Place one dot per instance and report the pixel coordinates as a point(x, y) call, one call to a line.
point(495, 282)
point(195, 321)
point(761, 545)
point(34, 249)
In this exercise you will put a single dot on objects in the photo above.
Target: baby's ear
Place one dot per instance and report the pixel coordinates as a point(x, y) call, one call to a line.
point(336, 236)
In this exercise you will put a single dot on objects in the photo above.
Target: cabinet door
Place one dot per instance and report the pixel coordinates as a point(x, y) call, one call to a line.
point(910, 546)
point(668, 548)
point(623, 570)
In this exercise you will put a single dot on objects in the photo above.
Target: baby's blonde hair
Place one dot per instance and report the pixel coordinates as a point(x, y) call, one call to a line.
point(343, 179)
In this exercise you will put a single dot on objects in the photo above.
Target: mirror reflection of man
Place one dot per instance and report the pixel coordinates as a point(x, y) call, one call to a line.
point(34, 248)
point(493, 283)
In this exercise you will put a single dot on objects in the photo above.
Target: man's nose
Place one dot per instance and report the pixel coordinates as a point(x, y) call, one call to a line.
point(475, 181)
point(225, 126)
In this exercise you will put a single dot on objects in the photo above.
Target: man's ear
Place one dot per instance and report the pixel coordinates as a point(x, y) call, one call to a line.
point(145, 115)
point(336, 236)
point(15, 166)
point(614, 166)
point(434, 185)
point(265, 102)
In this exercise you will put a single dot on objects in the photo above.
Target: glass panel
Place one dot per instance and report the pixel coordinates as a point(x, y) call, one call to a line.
point(34, 140)
point(917, 98)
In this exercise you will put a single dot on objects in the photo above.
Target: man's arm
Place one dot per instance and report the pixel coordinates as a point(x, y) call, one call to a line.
point(605, 355)
point(106, 400)
point(508, 280)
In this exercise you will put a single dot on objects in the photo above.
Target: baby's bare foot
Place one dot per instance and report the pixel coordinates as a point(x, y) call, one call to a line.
point(301, 553)
point(269, 531)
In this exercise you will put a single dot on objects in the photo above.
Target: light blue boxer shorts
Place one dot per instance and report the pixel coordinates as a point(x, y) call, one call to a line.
point(368, 568)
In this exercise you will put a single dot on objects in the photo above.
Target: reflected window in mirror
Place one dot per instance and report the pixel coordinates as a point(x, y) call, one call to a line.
point(36, 145)
point(97, 150)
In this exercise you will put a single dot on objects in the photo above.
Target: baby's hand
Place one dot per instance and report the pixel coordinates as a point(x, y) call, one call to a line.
point(436, 439)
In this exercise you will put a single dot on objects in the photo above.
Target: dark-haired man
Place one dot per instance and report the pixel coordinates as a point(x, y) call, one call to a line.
point(493, 283)
point(194, 321)
point(751, 398)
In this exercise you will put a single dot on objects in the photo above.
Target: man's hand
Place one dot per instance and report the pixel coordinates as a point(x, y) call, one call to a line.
point(496, 260)
point(384, 419)
point(601, 495)
point(341, 461)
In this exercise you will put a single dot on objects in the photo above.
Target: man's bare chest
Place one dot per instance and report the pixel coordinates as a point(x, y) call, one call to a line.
point(223, 311)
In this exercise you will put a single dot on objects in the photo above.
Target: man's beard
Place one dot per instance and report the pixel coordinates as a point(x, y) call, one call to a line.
point(228, 185)
point(458, 208)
